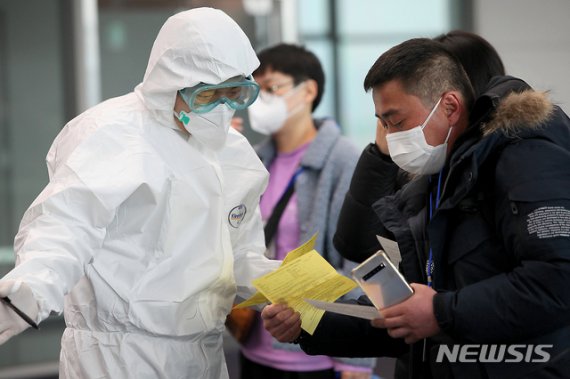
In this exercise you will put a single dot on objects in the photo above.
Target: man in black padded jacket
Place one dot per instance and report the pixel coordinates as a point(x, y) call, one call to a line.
point(483, 228)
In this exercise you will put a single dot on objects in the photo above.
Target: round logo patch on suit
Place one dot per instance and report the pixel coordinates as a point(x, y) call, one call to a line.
point(237, 214)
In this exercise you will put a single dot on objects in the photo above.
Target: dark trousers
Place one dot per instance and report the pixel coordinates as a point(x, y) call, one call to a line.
point(252, 370)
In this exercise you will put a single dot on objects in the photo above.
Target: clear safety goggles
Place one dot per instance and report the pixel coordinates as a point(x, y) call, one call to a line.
point(238, 94)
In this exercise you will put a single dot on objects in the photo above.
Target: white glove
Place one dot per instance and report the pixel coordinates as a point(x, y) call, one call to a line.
point(22, 297)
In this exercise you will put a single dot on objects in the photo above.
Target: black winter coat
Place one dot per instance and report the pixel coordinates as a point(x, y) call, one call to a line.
point(500, 240)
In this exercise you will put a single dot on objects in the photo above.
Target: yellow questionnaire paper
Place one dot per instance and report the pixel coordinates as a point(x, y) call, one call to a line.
point(258, 298)
point(301, 250)
point(309, 276)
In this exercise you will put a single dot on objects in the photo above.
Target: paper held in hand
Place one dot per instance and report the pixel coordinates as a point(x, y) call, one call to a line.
point(258, 297)
point(304, 274)
point(367, 312)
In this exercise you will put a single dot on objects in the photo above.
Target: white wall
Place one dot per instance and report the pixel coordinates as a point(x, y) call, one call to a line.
point(533, 38)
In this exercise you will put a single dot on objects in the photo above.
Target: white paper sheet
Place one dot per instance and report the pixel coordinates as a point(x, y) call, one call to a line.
point(362, 311)
point(391, 249)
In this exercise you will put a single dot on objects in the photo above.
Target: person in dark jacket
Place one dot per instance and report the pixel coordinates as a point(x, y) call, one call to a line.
point(484, 227)
point(376, 175)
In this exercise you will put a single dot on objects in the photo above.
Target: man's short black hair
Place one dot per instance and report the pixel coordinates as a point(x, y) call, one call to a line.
point(424, 67)
point(295, 61)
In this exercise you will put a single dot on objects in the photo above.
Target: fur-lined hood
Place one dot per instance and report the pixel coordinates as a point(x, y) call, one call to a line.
point(527, 109)
point(509, 111)
point(511, 106)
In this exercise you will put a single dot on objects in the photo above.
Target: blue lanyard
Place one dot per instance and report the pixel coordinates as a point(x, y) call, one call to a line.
point(429, 266)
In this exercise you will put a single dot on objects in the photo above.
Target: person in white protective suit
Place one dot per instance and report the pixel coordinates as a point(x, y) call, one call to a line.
point(150, 221)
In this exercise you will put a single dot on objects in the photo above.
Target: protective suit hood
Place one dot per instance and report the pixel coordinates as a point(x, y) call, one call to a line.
point(199, 45)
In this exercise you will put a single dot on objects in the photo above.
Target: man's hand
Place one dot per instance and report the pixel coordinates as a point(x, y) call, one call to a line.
point(282, 322)
point(412, 319)
point(381, 142)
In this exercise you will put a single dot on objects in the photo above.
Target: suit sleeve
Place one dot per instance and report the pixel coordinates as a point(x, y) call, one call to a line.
point(67, 222)
point(249, 259)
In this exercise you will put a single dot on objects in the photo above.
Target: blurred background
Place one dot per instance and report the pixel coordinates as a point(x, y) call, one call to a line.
point(59, 57)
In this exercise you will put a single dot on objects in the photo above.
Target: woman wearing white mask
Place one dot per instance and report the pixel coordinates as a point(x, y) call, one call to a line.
point(313, 160)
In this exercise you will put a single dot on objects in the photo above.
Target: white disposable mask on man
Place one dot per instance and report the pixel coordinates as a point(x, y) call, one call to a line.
point(411, 152)
point(269, 112)
point(211, 128)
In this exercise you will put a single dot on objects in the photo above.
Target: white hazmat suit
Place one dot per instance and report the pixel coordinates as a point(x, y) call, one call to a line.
point(145, 230)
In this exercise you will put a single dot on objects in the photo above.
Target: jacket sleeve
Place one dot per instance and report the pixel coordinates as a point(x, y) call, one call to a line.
point(345, 336)
point(375, 176)
point(532, 214)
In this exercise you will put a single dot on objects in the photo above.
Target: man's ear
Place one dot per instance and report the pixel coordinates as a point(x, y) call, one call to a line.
point(453, 106)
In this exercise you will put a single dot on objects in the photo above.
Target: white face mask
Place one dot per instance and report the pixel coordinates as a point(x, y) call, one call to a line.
point(211, 128)
point(269, 112)
point(411, 152)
